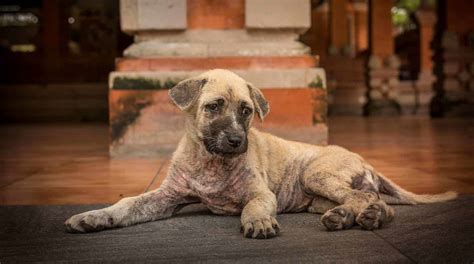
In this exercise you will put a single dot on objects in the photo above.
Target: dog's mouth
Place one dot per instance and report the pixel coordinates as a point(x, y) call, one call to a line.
point(230, 154)
point(224, 148)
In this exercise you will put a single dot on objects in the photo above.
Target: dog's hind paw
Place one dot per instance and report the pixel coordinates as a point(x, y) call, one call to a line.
point(338, 218)
point(375, 215)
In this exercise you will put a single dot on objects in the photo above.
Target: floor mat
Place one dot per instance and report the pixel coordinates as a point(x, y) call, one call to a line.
point(425, 233)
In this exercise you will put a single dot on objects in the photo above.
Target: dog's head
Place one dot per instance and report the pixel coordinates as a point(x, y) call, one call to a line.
point(220, 107)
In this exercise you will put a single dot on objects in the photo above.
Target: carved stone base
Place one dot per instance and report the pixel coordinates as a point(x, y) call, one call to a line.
point(454, 87)
point(383, 92)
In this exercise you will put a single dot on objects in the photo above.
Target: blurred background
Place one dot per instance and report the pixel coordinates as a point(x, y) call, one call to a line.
point(56, 55)
point(83, 85)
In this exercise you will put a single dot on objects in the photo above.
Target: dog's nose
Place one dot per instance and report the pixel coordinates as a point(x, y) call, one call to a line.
point(234, 141)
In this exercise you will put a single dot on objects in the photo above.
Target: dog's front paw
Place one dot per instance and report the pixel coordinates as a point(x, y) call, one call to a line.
point(375, 215)
point(91, 221)
point(338, 218)
point(261, 228)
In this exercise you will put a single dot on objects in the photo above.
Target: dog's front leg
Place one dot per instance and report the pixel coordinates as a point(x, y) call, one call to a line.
point(258, 216)
point(149, 206)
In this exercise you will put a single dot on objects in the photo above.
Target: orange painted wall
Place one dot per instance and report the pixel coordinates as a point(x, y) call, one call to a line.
point(216, 14)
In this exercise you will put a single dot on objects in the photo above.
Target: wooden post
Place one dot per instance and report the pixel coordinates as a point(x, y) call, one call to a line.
point(380, 28)
point(338, 26)
point(427, 20)
point(361, 26)
point(50, 39)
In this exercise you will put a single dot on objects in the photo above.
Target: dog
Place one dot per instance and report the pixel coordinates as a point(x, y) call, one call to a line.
point(234, 169)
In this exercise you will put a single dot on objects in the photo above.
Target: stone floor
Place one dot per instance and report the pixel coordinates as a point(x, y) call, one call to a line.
point(69, 164)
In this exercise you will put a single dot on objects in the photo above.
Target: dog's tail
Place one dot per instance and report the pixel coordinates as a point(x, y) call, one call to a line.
point(392, 193)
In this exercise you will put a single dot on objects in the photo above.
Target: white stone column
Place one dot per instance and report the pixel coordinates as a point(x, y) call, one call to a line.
point(159, 27)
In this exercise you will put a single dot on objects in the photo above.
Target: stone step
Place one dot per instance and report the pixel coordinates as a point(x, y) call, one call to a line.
point(343, 69)
point(193, 63)
point(154, 48)
point(343, 63)
point(262, 78)
point(346, 98)
point(345, 76)
point(148, 123)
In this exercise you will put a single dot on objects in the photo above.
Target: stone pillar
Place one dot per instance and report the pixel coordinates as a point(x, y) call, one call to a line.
point(361, 26)
point(454, 60)
point(51, 39)
point(426, 78)
point(383, 65)
point(338, 27)
point(380, 25)
point(427, 20)
point(177, 39)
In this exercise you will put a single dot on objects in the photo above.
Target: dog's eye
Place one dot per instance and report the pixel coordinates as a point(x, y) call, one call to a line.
point(246, 111)
point(212, 107)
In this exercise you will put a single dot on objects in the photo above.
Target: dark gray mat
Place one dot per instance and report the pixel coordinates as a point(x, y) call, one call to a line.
point(442, 232)
point(430, 233)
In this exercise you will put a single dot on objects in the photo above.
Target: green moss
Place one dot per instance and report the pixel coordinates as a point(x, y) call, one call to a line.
point(129, 109)
point(140, 83)
point(317, 83)
point(169, 84)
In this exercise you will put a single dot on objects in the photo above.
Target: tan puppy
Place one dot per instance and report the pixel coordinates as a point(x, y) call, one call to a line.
point(234, 169)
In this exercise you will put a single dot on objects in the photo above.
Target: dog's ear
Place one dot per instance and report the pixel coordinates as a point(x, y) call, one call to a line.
point(185, 93)
point(260, 103)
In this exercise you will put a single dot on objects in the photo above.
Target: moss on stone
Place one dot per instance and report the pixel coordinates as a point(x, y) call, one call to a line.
point(317, 83)
point(140, 83)
point(130, 108)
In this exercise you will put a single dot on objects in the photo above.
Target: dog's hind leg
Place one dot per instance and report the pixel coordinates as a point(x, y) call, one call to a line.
point(331, 176)
point(363, 207)
point(320, 205)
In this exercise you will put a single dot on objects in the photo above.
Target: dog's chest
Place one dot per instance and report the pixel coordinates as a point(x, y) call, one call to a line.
point(221, 186)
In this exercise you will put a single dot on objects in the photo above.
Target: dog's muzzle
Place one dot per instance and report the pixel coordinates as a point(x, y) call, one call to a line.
point(234, 141)
point(226, 143)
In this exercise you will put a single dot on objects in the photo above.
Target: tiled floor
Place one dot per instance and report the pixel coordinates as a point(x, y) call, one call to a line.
point(69, 164)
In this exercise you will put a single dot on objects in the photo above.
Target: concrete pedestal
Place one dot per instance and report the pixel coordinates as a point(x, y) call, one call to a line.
point(257, 40)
